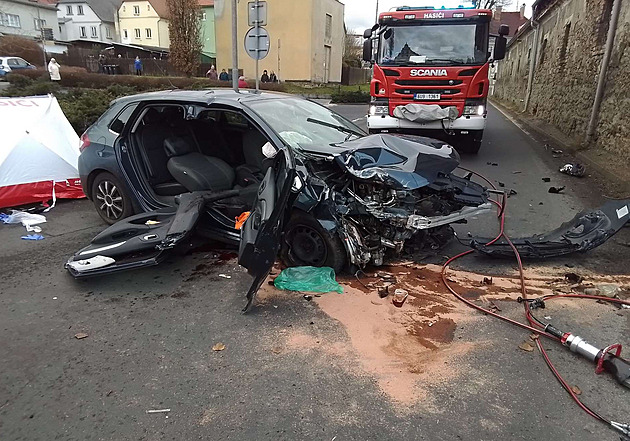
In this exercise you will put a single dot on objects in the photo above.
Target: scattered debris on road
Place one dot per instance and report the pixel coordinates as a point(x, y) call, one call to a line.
point(556, 190)
point(80, 335)
point(225, 276)
point(158, 410)
point(309, 279)
point(573, 169)
point(546, 179)
point(400, 295)
point(525, 346)
point(218, 347)
point(33, 237)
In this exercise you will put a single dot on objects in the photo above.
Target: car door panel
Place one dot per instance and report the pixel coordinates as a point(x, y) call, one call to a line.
point(144, 239)
point(261, 233)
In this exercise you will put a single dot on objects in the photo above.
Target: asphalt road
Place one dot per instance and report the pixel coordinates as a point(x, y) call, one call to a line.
point(281, 375)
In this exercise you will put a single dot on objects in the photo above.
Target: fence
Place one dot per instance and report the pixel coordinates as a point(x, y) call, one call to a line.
point(355, 75)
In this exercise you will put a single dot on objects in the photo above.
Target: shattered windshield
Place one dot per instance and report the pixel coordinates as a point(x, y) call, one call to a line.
point(451, 44)
point(303, 124)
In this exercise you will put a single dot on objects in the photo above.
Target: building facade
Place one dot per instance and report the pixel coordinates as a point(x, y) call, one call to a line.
point(306, 39)
point(552, 67)
point(93, 20)
point(207, 31)
point(144, 23)
point(28, 19)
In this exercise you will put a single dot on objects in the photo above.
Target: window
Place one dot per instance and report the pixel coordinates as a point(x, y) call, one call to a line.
point(124, 8)
point(39, 24)
point(148, 31)
point(543, 49)
point(80, 10)
point(118, 123)
point(93, 31)
point(137, 31)
point(13, 62)
point(136, 10)
point(108, 32)
point(82, 32)
point(125, 33)
point(148, 7)
point(11, 20)
point(69, 10)
point(328, 26)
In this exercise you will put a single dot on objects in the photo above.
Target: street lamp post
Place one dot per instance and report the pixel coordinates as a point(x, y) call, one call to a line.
point(376, 18)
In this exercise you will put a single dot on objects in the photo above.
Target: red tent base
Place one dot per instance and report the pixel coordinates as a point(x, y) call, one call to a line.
point(14, 195)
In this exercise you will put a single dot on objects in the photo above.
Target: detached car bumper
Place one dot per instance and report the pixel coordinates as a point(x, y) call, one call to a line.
point(386, 122)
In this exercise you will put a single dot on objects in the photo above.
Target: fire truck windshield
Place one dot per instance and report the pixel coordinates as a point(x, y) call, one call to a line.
point(434, 44)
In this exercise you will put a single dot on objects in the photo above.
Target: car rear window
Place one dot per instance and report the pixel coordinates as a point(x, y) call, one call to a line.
point(118, 123)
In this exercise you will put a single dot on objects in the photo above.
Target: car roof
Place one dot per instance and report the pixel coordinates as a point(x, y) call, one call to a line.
point(206, 96)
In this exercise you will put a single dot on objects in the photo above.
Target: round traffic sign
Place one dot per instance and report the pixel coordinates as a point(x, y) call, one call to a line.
point(257, 43)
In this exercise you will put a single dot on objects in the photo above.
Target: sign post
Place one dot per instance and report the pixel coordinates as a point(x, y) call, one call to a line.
point(257, 38)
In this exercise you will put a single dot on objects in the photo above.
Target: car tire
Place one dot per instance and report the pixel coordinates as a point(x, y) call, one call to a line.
point(307, 243)
point(111, 201)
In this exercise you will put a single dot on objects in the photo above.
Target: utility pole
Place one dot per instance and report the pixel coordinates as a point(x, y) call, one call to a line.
point(41, 34)
point(234, 45)
point(376, 18)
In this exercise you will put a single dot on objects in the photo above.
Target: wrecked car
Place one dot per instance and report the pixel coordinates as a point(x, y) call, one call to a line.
point(319, 190)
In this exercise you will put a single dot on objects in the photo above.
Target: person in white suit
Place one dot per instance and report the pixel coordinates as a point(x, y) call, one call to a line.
point(53, 70)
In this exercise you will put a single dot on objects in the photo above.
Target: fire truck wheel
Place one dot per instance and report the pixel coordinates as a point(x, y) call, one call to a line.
point(472, 143)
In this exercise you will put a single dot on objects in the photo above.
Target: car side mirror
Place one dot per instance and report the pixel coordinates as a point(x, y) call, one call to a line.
point(367, 33)
point(500, 45)
point(367, 50)
point(504, 30)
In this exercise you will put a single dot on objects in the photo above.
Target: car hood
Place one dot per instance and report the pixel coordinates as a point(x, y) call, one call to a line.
point(399, 161)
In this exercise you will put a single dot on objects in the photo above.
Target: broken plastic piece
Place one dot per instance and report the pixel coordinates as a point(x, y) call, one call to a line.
point(240, 220)
point(573, 169)
point(546, 179)
point(556, 190)
point(400, 295)
point(587, 230)
point(308, 278)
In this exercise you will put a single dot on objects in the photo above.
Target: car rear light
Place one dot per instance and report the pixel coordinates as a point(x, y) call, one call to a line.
point(85, 142)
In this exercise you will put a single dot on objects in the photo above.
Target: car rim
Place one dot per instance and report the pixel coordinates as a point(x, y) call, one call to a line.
point(110, 200)
point(307, 246)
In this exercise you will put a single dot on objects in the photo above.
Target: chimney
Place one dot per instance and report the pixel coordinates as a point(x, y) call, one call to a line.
point(522, 11)
point(497, 13)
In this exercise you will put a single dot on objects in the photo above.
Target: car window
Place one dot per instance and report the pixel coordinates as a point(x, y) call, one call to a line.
point(236, 119)
point(118, 123)
point(12, 62)
point(22, 62)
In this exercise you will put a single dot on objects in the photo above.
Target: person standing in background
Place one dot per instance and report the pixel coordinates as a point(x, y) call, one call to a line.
point(212, 73)
point(53, 70)
point(265, 77)
point(137, 64)
point(272, 77)
point(242, 82)
point(224, 76)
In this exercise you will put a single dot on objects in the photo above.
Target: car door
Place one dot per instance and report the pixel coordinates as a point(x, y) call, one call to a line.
point(261, 233)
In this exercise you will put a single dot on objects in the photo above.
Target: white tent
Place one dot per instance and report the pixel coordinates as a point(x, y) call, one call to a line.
point(38, 152)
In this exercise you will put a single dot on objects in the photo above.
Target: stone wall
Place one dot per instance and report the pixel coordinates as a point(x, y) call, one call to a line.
point(571, 38)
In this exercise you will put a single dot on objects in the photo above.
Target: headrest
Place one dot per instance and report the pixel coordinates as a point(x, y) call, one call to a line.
point(172, 114)
point(177, 147)
point(152, 116)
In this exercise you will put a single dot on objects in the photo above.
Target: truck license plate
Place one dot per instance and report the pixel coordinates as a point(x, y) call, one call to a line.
point(427, 96)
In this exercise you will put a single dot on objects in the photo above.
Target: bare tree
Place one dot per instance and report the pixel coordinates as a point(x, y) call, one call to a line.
point(184, 31)
point(492, 4)
point(352, 49)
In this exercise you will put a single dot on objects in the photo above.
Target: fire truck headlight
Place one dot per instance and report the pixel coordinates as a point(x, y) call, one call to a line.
point(475, 110)
point(378, 110)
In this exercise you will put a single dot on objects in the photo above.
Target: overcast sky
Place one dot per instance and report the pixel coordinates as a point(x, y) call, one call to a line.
point(361, 14)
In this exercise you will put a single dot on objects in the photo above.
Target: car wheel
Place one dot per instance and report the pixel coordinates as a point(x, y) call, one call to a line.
point(306, 243)
point(110, 199)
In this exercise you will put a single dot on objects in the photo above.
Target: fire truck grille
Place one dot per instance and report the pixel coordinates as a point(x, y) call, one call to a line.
point(428, 82)
point(440, 91)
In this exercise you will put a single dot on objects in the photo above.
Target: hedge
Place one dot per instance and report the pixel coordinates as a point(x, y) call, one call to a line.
point(72, 77)
point(354, 96)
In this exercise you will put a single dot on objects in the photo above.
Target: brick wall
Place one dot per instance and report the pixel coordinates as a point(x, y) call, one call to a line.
point(572, 36)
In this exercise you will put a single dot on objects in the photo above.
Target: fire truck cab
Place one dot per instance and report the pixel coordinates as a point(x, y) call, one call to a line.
point(431, 73)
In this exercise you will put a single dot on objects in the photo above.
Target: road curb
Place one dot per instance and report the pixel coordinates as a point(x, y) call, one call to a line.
point(587, 156)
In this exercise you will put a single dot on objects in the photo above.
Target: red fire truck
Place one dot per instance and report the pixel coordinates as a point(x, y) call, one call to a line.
point(431, 72)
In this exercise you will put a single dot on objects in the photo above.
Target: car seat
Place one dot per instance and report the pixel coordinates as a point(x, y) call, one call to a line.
point(198, 172)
